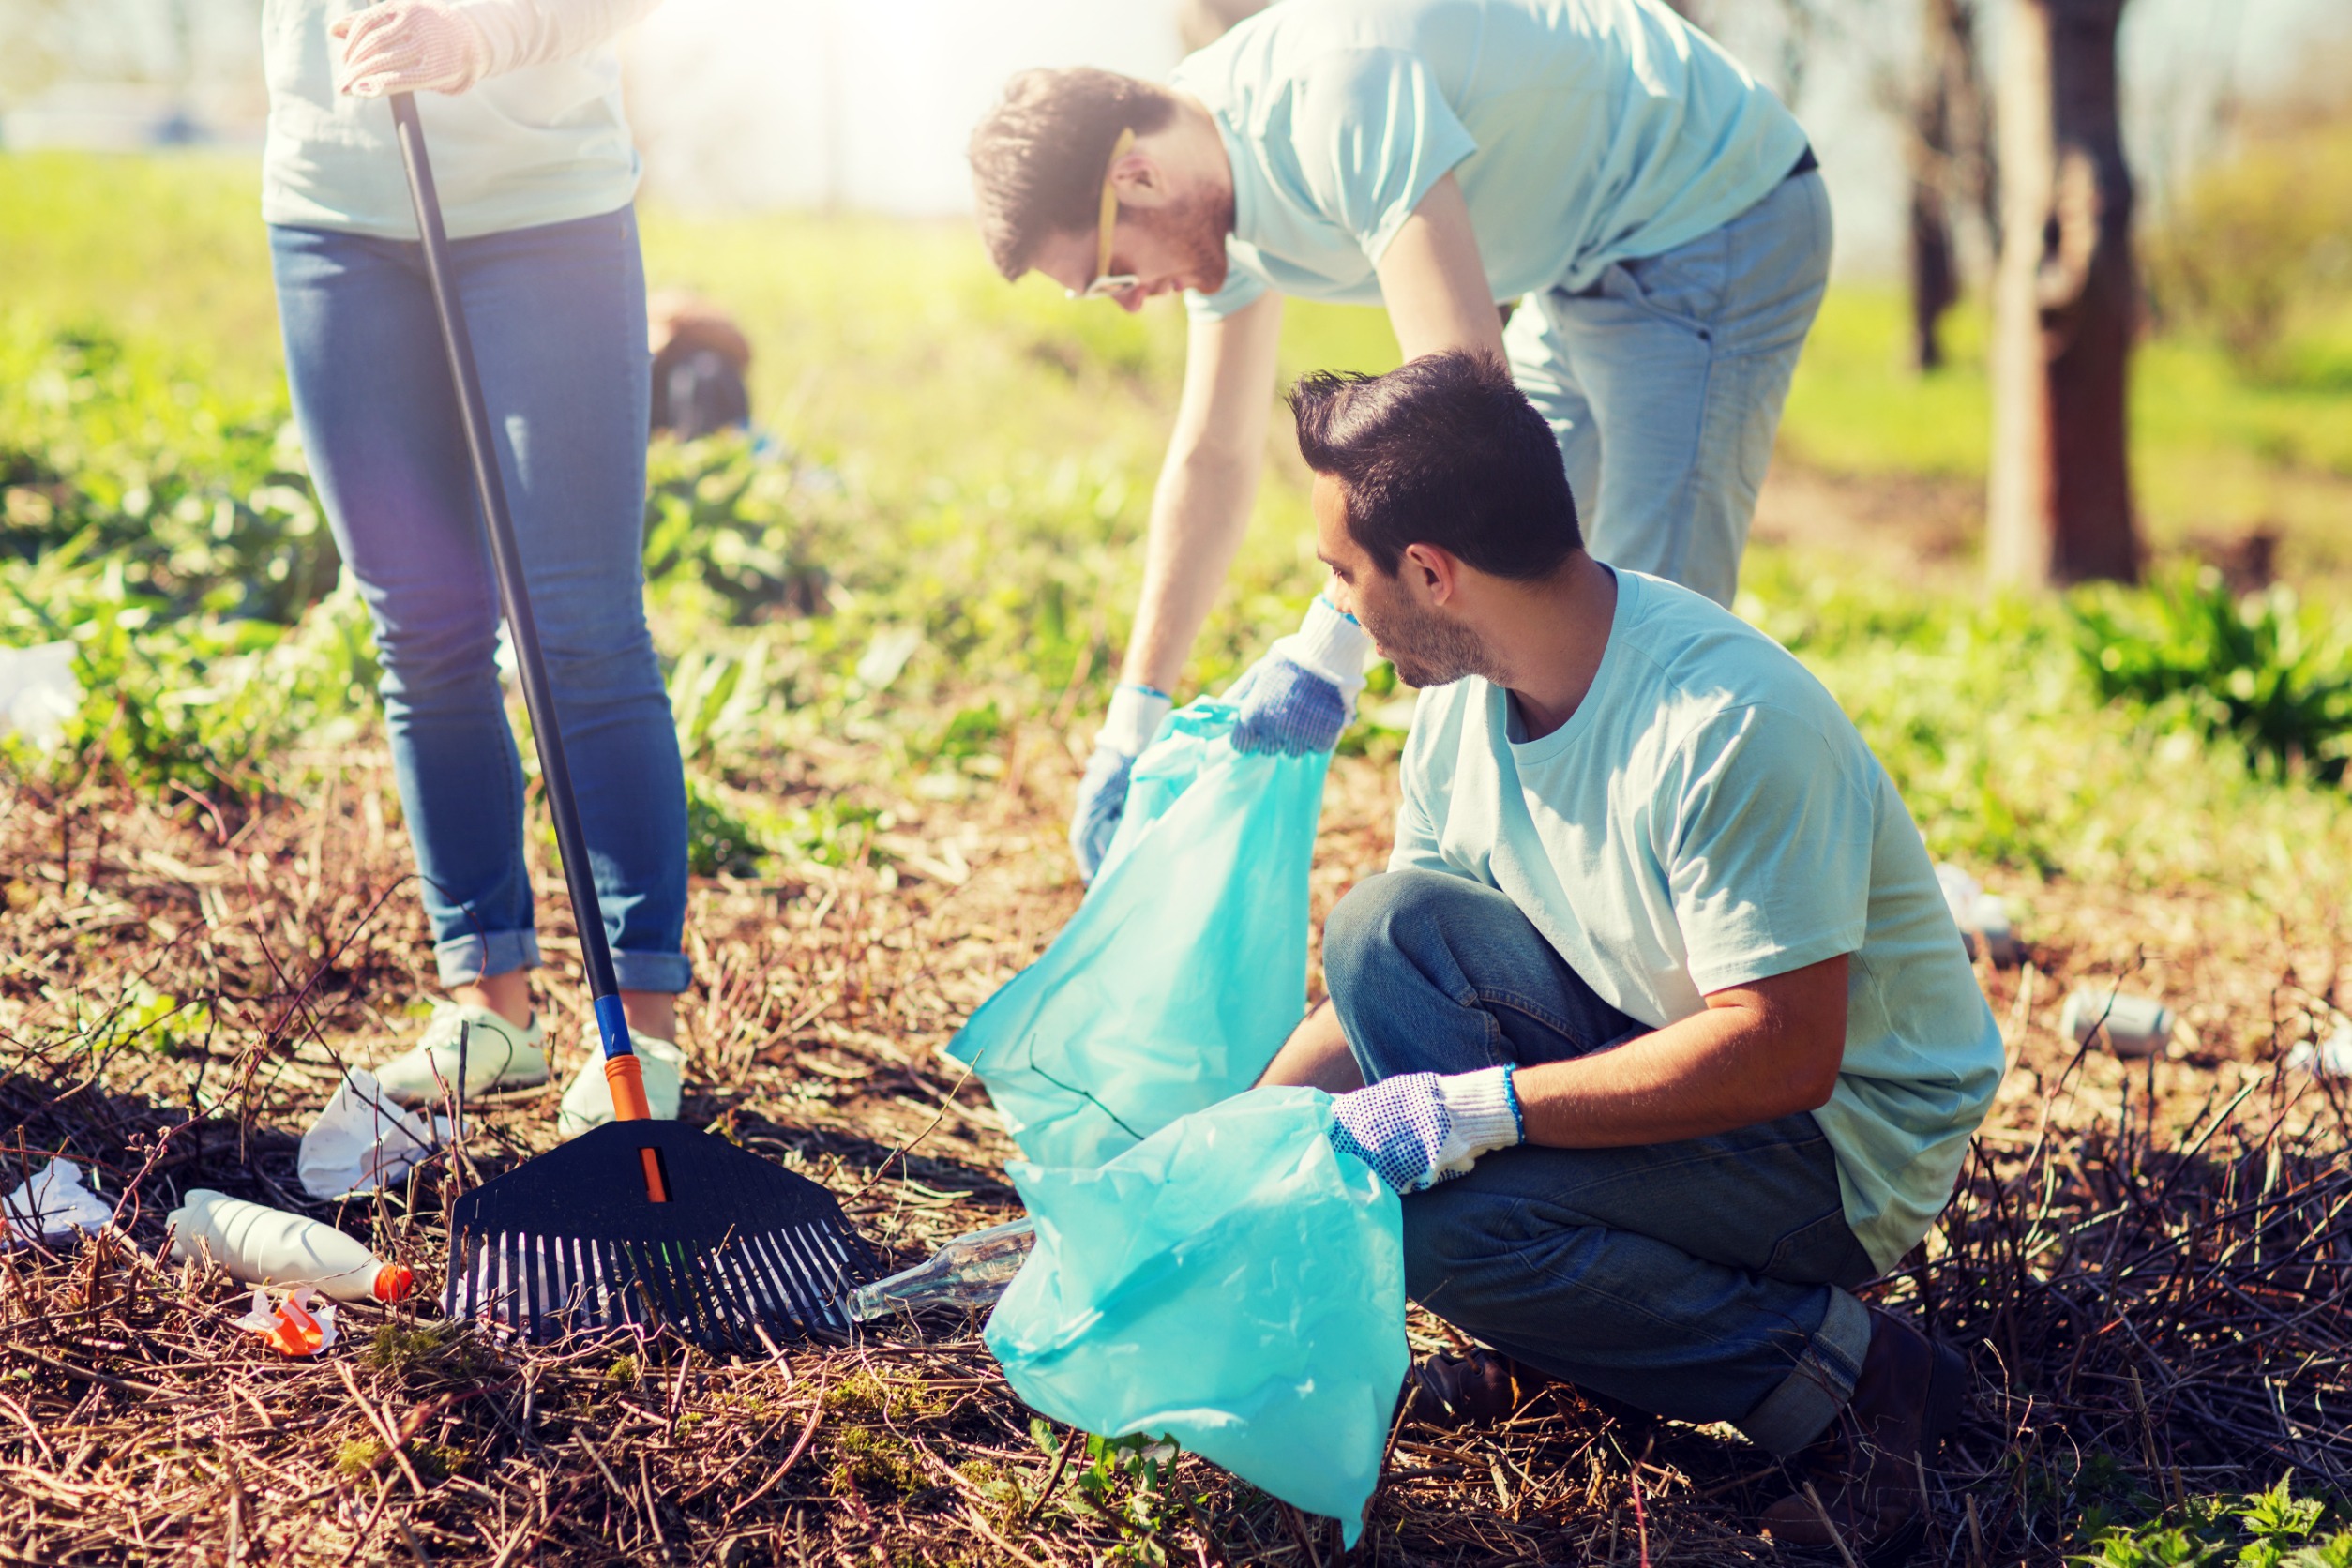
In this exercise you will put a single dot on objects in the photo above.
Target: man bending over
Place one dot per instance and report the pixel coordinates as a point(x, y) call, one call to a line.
point(1658, 985)
point(1654, 213)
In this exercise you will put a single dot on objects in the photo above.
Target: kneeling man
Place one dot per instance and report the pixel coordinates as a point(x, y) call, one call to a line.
point(1659, 984)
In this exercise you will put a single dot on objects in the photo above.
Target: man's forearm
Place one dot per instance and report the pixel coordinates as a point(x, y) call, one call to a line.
point(1757, 1053)
point(1199, 514)
point(1317, 1056)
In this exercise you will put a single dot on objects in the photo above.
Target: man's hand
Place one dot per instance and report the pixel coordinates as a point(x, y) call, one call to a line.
point(1134, 716)
point(409, 46)
point(1300, 697)
point(1422, 1128)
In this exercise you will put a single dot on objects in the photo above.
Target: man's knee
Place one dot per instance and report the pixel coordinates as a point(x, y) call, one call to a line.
point(1459, 1251)
point(1383, 918)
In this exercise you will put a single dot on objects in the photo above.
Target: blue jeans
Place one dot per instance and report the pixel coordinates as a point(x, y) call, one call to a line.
point(557, 315)
point(1662, 382)
point(1704, 1280)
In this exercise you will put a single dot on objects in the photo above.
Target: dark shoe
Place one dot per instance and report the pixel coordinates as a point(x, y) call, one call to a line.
point(1480, 1388)
point(1869, 1470)
point(1485, 1388)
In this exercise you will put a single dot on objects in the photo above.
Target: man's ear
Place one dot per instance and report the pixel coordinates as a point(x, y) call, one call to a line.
point(1139, 180)
point(1431, 573)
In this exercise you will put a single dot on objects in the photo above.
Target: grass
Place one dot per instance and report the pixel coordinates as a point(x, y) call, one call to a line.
point(2214, 454)
point(884, 647)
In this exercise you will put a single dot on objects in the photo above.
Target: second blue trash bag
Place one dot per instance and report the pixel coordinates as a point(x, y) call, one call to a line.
point(1186, 968)
point(1234, 1282)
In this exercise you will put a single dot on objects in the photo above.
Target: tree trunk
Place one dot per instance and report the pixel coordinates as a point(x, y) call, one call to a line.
point(2059, 501)
point(1949, 160)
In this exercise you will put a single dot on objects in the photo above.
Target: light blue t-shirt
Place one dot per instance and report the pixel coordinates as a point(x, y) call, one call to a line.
point(543, 143)
point(1709, 816)
point(1582, 132)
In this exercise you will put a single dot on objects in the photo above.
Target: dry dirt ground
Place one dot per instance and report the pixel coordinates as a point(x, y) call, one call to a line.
point(2146, 1262)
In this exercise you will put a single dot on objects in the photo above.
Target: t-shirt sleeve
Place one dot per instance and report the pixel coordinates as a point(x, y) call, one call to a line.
point(1374, 133)
point(1770, 868)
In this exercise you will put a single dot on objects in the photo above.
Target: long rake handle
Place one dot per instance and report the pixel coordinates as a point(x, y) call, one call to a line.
point(621, 1067)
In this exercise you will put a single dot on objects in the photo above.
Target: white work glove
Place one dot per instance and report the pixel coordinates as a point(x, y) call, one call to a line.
point(409, 46)
point(1418, 1129)
point(1136, 712)
point(1303, 693)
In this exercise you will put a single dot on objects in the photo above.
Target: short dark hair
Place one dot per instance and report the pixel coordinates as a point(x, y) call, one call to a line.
point(1445, 450)
point(1038, 157)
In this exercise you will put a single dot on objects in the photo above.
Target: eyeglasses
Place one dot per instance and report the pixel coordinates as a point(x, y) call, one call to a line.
point(1108, 283)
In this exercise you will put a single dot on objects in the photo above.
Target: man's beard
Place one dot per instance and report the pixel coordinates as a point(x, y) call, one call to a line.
point(1195, 226)
point(1429, 650)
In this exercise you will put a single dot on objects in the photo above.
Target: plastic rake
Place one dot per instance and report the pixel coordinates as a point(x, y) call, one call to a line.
point(638, 1223)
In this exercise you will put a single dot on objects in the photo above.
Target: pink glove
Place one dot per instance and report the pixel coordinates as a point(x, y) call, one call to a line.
point(409, 46)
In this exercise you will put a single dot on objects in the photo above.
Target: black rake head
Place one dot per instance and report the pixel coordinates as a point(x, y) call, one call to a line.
point(742, 1253)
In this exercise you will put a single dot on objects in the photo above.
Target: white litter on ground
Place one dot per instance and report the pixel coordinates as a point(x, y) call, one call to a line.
point(38, 692)
point(51, 1206)
point(362, 1141)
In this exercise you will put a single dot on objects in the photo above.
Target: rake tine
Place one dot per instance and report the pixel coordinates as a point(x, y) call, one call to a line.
point(822, 1276)
point(774, 1303)
point(600, 1262)
point(742, 1287)
point(533, 1286)
point(785, 1270)
point(773, 1294)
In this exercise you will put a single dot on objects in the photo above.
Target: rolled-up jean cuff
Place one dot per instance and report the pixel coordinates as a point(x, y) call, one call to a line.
point(1809, 1398)
point(670, 972)
point(476, 955)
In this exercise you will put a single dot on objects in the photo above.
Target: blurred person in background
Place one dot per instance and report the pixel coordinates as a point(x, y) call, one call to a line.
point(1655, 213)
point(521, 102)
point(701, 359)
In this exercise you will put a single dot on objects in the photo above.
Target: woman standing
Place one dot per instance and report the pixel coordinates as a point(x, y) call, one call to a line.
point(521, 102)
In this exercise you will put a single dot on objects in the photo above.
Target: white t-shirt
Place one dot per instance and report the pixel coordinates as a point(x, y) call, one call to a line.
point(1582, 132)
point(545, 140)
point(1709, 816)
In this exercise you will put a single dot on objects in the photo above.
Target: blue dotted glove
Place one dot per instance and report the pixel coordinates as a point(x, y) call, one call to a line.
point(1300, 697)
point(1134, 716)
point(1102, 798)
point(1418, 1129)
point(1290, 710)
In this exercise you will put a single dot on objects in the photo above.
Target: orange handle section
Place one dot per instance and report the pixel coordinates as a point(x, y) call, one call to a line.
point(394, 1281)
point(626, 1080)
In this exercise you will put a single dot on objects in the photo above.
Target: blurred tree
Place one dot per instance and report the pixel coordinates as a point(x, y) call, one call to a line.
point(2263, 230)
point(2064, 304)
point(1949, 151)
point(32, 44)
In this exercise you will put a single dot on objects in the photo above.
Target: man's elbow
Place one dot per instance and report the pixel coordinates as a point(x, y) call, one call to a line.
point(1814, 1080)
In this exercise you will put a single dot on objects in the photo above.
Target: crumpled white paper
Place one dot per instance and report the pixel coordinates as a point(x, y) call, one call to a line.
point(2329, 1058)
point(52, 1205)
point(38, 692)
point(362, 1140)
point(297, 1328)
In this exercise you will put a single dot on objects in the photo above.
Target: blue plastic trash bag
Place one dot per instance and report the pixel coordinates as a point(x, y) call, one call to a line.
point(1232, 1282)
point(1186, 968)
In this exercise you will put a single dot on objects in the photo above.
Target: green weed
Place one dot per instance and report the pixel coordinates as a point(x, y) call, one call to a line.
point(2264, 1530)
point(2256, 669)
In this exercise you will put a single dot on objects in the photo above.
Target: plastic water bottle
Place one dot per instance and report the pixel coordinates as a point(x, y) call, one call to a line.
point(262, 1245)
point(2128, 1025)
point(970, 1271)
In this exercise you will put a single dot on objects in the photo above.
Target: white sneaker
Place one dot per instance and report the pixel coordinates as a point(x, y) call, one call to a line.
point(588, 1099)
point(498, 1055)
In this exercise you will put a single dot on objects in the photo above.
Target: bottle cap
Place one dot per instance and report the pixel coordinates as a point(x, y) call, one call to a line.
point(394, 1281)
